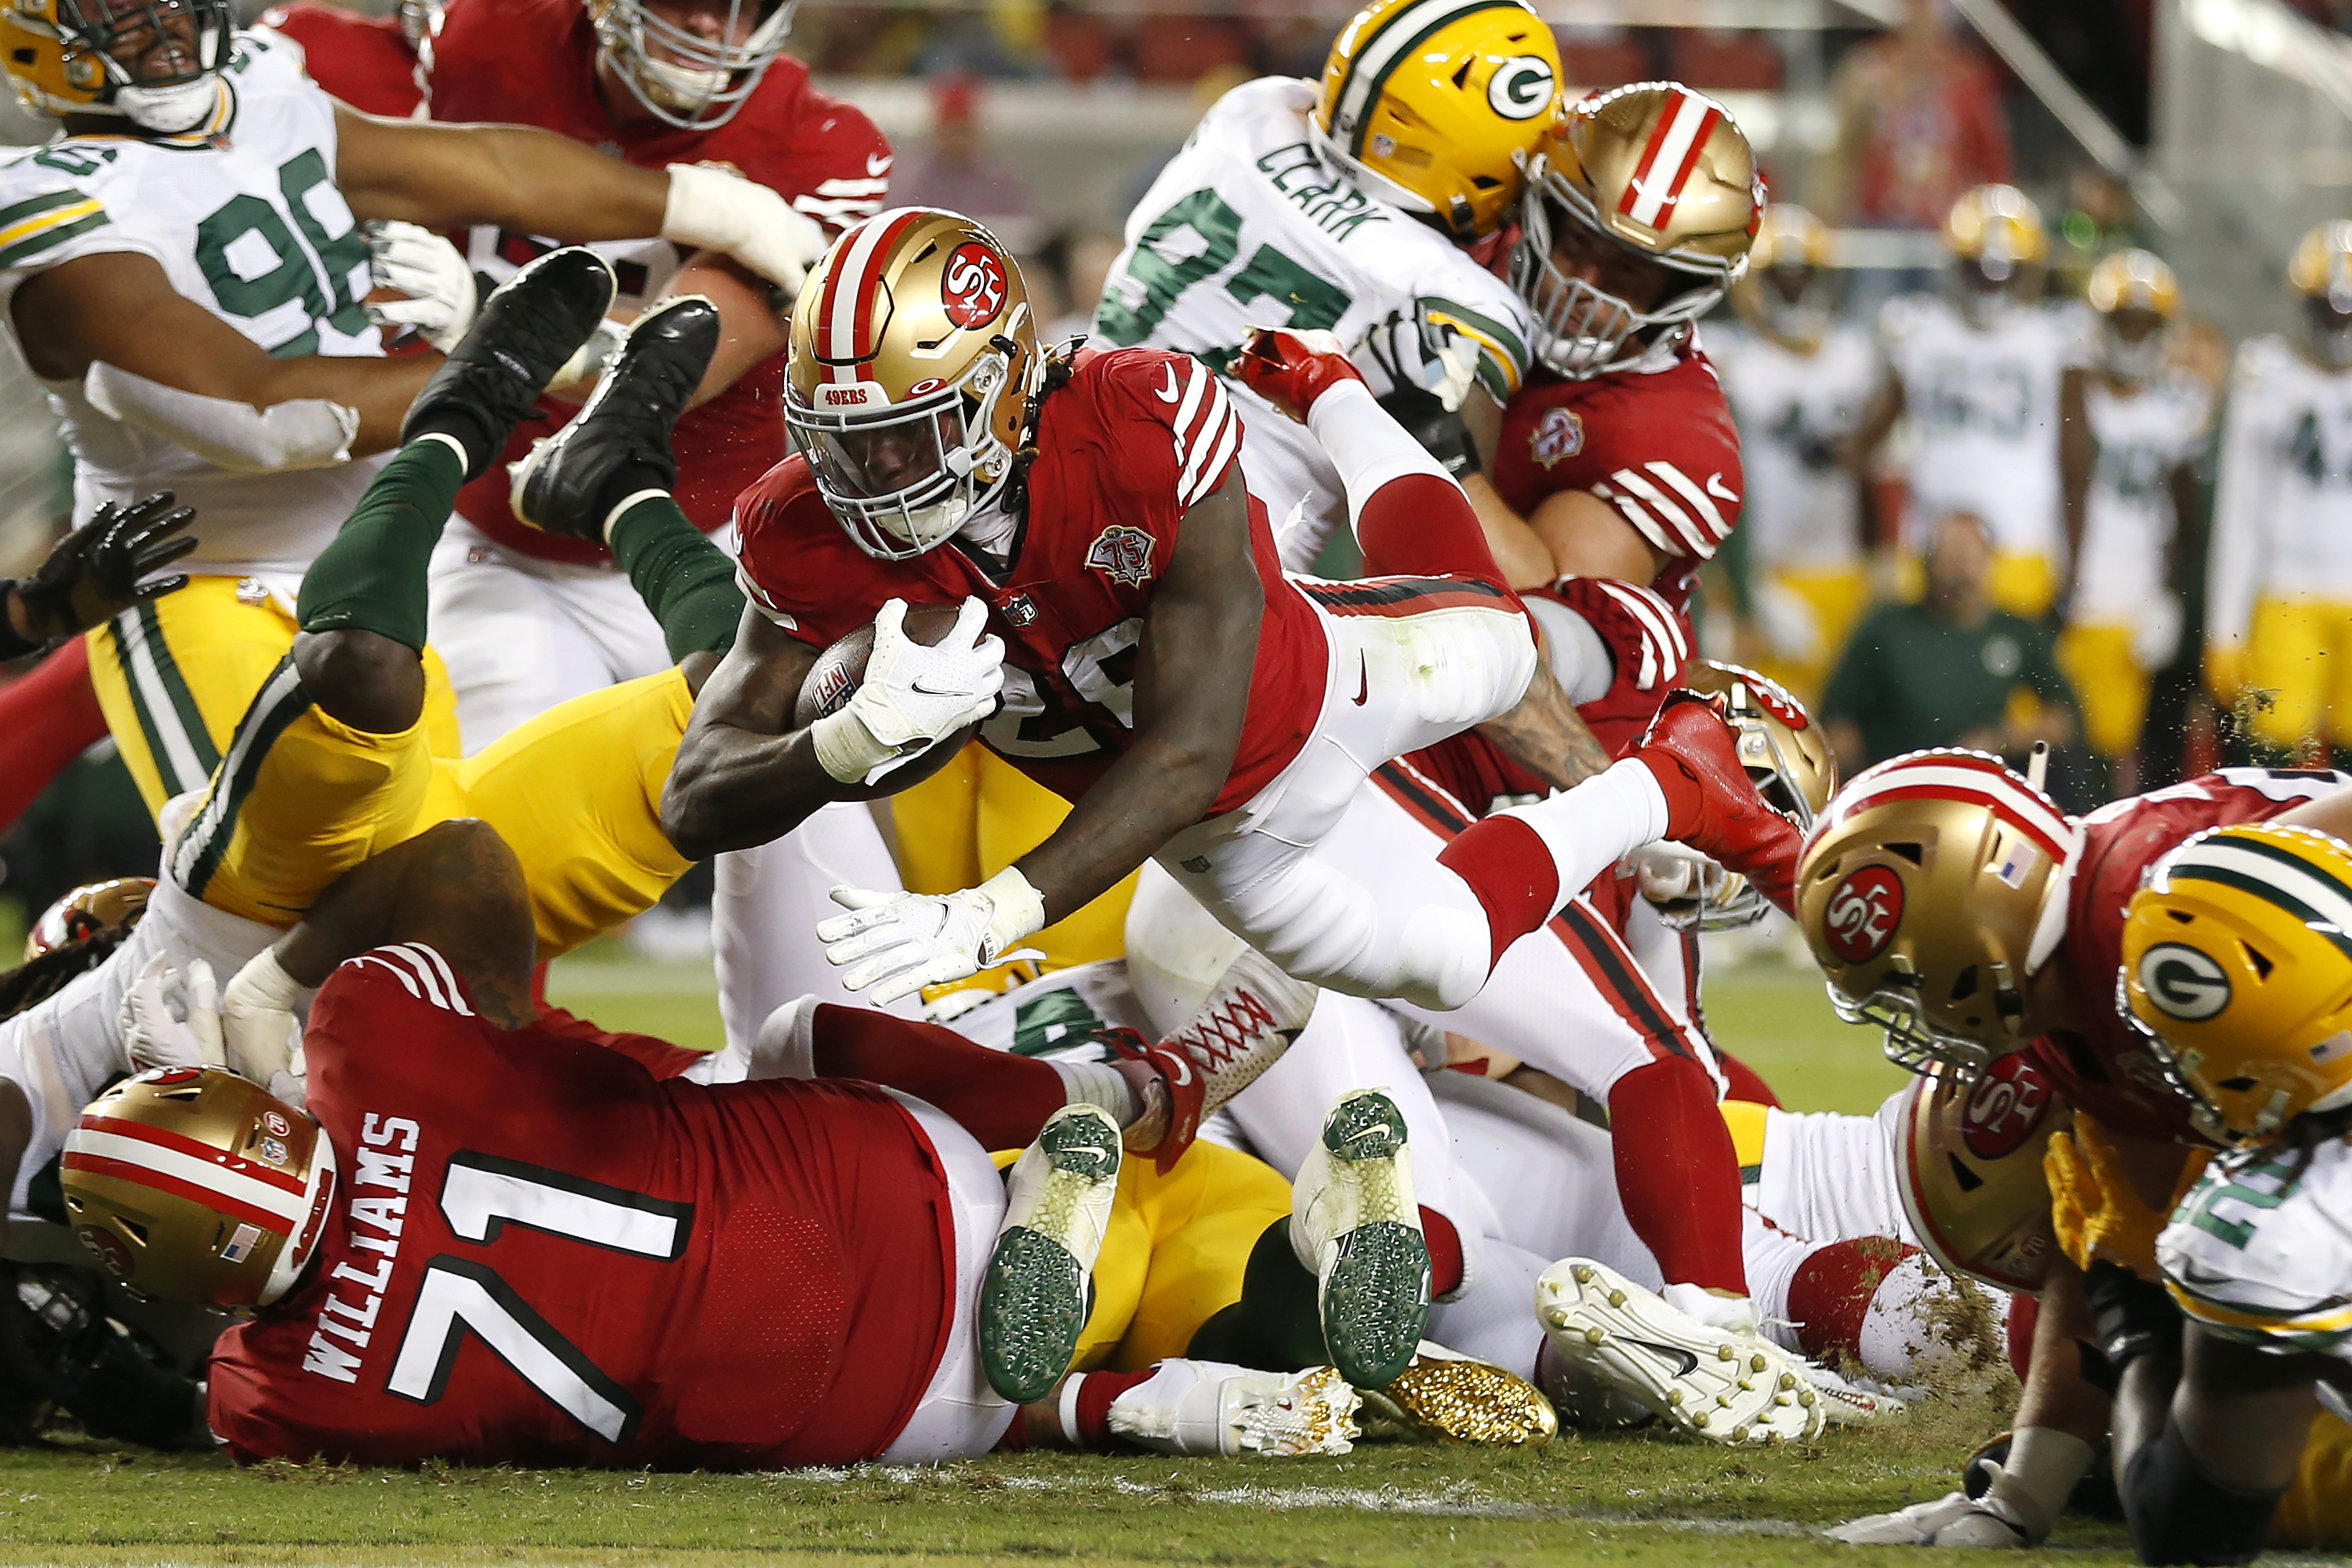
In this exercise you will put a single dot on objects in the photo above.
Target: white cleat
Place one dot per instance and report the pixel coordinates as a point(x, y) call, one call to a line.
point(1211, 1407)
point(1034, 1300)
point(1953, 1520)
point(1713, 1382)
point(1355, 1223)
point(1847, 1403)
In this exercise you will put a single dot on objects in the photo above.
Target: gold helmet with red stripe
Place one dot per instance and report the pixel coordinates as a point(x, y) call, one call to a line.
point(194, 1185)
point(1969, 1165)
point(914, 369)
point(1433, 106)
point(1787, 759)
point(1654, 169)
point(115, 905)
point(1931, 892)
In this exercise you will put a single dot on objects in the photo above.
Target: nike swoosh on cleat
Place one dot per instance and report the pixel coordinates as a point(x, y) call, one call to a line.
point(1688, 1363)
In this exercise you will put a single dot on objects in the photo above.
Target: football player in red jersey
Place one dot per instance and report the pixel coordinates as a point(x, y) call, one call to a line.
point(1953, 903)
point(369, 62)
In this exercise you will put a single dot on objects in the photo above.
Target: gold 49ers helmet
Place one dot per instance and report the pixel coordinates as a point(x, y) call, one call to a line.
point(1932, 890)
point(93, 907)
point(914, 370)
point(1968, 1164)
point(1654, 169)
point(1787, 759)
point(68, 57)
point(194, 1185)
point(2237, 971)
point(1433, 106)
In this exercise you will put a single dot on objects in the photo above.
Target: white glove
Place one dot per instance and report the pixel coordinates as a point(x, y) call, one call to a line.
point(1951, 1520)
point(1671, 873)
point(901, 942)
point(426, 268)
point(913, 697)
point(156, 1036)
point(711, 209)
point(264, 1038)
point(588, 361)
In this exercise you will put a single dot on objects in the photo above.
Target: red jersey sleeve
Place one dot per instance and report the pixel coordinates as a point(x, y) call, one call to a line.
point(793, 562)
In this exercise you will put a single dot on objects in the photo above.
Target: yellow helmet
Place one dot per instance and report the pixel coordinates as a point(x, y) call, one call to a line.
point(1932, 890)
point(2133, 280)
point(1787, 288)
point(1969, 1166)
point(1998, 227)
point(194, 1185)
point(914, 369)
point(1434, 106)
point(2322, 263)
point(59, 58)
point(1787, 759)
point(2237, 970)
point(1659, 170)
point(93, 907)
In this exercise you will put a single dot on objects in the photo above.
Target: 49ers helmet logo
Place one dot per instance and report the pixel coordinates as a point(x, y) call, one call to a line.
point(2005, 1108)
point(972, 288)
point(1862, 914)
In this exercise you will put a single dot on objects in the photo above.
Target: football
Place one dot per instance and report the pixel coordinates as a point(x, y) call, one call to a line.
point(835, 675)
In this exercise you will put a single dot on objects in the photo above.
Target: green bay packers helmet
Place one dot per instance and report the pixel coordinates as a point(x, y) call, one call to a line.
point(2321, 272)
point(1787, 287)
point(2237, 972)
point(1656, 170)
point(914, 367)
point(67, 57)
point(2137, 297)
point(194, 1185)
point(1997, 243)
point(1969, 1165)
point(1434, 106)
point(1787, 759)
point(110, 906)
point(1933, 888)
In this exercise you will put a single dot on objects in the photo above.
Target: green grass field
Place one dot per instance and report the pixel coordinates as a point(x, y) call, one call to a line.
point(1624, 1498)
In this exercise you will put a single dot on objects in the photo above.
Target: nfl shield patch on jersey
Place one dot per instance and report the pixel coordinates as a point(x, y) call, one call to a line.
point(1122, 553)
point(1559, 435)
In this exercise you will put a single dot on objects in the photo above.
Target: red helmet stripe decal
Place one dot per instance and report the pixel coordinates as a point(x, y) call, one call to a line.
point(1676, 144)
point(270, 1176)
point(272, 1221)
point(1980, 781)
point(844, 325)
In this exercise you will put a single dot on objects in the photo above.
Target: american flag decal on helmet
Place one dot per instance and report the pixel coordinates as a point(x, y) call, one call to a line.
point(1676, 144)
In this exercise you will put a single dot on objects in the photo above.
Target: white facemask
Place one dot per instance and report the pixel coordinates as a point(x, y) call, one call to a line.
point(169, 110)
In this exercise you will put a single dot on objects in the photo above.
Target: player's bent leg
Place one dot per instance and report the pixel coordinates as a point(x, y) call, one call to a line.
point(2286, 655)
point(512, 651)
point(1202, 1219)
point(2108, 682)
point(764, 912)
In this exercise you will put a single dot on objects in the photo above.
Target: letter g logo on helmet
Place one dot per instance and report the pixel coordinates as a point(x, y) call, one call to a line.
point(1520, 88)
point(2183, 982)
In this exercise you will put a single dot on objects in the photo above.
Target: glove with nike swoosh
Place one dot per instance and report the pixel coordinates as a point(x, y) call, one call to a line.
point(913, 697)
point(900, 942)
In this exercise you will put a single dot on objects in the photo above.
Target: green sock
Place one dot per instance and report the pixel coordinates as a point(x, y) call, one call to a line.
point(685, 579)
point(371, 575)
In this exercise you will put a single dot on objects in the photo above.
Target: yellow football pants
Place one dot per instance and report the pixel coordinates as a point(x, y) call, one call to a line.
point(975, 817)
point(2317, 1512)
point(175, 676)
point(2109, 685)
point(301, 797)
point(1837, 599)
point(2299, 652)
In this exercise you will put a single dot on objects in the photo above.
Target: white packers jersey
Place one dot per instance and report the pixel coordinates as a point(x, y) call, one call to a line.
point(1247, 226)
point(1802, 511)
point(2283, 511)
point(2128, 515)
point(1983, 408)
point(245, 219)
point(2260, 1249)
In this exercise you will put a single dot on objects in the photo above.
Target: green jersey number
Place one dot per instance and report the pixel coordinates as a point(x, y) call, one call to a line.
point(317, 276)
point(1314, 303)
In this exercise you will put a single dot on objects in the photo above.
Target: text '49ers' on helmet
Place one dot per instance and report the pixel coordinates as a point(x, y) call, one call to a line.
point(194, 1185)
point(1433, 106)
point(682, 77)
point(914, 369)
point(155, 63)
point(1969, 1165)
point(94, 907)
point(1653, 174)
point(1932, 890)
point(1787, 759)
point(2237, 971)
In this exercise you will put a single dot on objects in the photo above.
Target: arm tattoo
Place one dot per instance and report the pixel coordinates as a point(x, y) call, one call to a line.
point(1544, 735)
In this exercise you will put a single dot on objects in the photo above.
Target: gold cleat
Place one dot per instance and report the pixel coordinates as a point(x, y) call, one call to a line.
point(1450, 1396)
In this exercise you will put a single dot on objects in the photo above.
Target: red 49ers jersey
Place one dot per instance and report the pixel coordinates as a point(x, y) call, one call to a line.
point(1659, 445)
point(366, 61)
point(533, 63)
point(539, 1255)
point(1132, 442)
point(2103, 1067)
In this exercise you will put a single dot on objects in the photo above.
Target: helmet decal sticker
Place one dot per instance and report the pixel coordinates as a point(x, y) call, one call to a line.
point(2005, 1108)
point(1863, 912)
point(2183, 982)
point(972, 288)
point(1520, 88)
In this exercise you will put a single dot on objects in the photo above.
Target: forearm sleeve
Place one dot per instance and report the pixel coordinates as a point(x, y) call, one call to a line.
point(304, 433)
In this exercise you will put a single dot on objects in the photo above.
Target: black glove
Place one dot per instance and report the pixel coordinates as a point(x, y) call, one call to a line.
point(1440, 431)
point(1411, 352)
point(104, 567)
point(2134, 1317)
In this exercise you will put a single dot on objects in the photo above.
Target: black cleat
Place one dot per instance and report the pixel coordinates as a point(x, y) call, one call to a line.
point(619, 445)
point(491, 381)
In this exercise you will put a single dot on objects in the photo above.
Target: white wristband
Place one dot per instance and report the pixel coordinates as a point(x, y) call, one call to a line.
point(846, 748)
point(263, 984)
point(1015, 910)
point(711, 209)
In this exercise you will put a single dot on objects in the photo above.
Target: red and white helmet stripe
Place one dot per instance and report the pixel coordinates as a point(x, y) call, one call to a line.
point(847, 329)
point(1676, 144)
point(1967, 776)
point(247, 1190)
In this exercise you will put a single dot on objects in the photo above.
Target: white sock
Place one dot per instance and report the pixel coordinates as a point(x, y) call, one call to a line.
point(1098, 1083)
point(2040, 1473)
point(1732, 1314)
point(1367, 447)
point(1599, 823)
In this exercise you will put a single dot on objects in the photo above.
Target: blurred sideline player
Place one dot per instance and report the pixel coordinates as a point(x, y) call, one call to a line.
point(2279, 608)
point(251, 397)
point(1950, 901)
point(368, 62)
point(1798, 376)
point(2134, 481)
point(1980, 371)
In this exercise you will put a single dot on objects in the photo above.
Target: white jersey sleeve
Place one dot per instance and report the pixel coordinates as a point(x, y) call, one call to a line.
point(2261, 1250)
